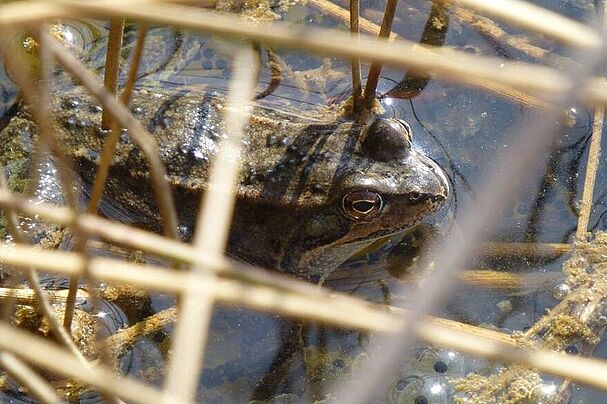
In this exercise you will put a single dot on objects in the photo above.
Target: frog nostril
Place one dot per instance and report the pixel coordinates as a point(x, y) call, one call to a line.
point(415, 196)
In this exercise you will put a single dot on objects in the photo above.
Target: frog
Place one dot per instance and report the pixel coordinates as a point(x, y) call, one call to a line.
point(310, 193)
point(314, 188)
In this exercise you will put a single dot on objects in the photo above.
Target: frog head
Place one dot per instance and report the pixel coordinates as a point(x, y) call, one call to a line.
point(369, 182)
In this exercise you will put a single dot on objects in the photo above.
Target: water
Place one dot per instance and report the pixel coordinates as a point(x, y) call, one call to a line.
point(258, 356)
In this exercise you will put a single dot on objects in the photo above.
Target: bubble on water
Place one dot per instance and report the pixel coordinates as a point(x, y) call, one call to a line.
point(560, 291)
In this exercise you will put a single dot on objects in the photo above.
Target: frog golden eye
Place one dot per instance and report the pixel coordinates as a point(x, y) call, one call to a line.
point(362, 205)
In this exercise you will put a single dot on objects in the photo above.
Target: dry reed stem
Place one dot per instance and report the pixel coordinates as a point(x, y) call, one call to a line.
point(124, 339)
point(371, 28)
point(498, 280)
point(495, 33)
point(539, 19)
point(341, 310)
point(36, 386)
point(343, 15)
point(498, 190)
point(16, 14)
point(376, 66)
point(355, 63)
point(153, 243)
point(140, 136)
point(508, 281)
point(47, 355)
point(447, 64)
point(109, 147)
point(131, 78)
point(344, 312)
point(528, 250)
point(42, 302)
point(28, 296)
point(112, 65)
point(212, 229)
point(586, 371)
point(460, 67)
point(112, 70)
point(591, 168)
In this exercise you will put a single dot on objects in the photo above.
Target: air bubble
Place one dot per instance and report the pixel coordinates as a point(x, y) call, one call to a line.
point(560, 291)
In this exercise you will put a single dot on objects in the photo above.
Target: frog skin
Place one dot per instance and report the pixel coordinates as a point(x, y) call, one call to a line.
point(310, 194)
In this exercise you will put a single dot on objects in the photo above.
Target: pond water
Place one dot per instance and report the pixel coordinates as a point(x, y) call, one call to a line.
point(254, 356)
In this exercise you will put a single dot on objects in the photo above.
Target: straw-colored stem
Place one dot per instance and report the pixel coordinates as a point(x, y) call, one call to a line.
point(341, 311)
point(143, 139)
point(466, 69)
point(341, 14)
point(47, 355)
point(36, 93)
point(375, 69)
point(123, 340)
point(125, 96)
point(539, 19)
point(42, 303)
point(591, 168)
point(371, 28)
point(355, 62)
point(498, 280)
point(527, 250)
point(447, 64)
point(109, 147)
point(495, 33)
point(587, 371)
point(28, 296)
point(39, 388)
point(212, 231)
point(112, 65)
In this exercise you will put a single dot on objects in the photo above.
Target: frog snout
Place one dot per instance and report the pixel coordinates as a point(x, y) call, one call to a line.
point(443, 183)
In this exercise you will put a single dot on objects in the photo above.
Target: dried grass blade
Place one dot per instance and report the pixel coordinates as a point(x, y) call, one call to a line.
point(112, 65)
point(450, 65)
point(143, 139)
point(376, 66)
point(212, 231)
point(539, 19)
point(46, 354)
point(591, 169)
point(39, 388)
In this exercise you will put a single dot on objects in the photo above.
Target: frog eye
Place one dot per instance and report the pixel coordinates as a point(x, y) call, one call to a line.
point(362, 205)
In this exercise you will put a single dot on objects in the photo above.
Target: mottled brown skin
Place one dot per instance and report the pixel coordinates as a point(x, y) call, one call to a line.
point(296, 173)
